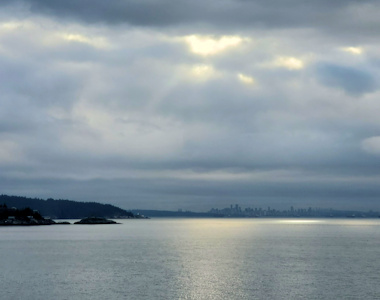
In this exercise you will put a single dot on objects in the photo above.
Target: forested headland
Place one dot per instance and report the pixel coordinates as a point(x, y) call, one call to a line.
point(66, 209)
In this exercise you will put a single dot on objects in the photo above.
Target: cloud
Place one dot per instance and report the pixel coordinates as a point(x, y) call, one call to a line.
point(246, 79)
point(353, 50)
point(202, 72)
point(339, 18)
point(205, 45)
point(96, 42)
point(189, 104)
point(9, 152)
point(290, 63)
point(352, 80)
point(371, 145)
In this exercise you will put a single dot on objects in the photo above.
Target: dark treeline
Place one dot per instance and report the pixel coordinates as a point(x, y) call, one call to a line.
point(65, 209)
point(23, 214)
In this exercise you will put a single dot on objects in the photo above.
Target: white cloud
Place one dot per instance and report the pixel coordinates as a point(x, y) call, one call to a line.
point(353, 50)
point(9, 26)
point(286, 62)
point(291, 63)
point(207, 45)
point(203, 72)
point(246, 79)
point(25, 25)
point(98, 42)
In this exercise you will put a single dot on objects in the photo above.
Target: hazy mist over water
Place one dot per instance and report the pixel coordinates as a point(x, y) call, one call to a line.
point(193, 259)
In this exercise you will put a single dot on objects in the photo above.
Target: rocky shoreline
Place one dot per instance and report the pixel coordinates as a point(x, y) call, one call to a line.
point(28, 217)
point(34, 222)
point(24, 222)
point(22, 217)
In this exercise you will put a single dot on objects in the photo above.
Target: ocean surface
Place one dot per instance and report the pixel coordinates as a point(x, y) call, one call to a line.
point(193, 259)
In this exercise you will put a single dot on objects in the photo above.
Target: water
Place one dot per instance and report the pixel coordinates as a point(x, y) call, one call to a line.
point(193, 259)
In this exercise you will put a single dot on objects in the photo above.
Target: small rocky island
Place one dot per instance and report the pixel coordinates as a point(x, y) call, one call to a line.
point(95, 220)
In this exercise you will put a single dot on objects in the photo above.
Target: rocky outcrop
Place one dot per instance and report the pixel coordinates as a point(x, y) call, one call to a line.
point(95, 220)
point(25, 222)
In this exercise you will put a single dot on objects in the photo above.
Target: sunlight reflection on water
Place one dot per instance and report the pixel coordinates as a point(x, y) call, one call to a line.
point(302, 221)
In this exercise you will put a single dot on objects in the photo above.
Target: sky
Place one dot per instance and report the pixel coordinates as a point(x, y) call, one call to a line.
point(191, 104)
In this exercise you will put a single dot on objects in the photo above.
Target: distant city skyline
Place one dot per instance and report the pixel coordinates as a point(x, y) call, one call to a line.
point(309, 212)
point(167, 105)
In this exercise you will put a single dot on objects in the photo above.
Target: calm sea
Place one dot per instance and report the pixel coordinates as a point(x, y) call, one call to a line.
point(193, 259)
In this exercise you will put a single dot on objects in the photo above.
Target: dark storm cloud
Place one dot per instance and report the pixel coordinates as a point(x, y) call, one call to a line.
point(228, 14)
point(352, 80)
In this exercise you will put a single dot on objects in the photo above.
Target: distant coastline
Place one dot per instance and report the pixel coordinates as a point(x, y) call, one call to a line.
point(68, 209)
point(235, 211)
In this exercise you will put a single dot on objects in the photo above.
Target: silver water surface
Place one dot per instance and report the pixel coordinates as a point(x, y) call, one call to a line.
point(193, 259)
